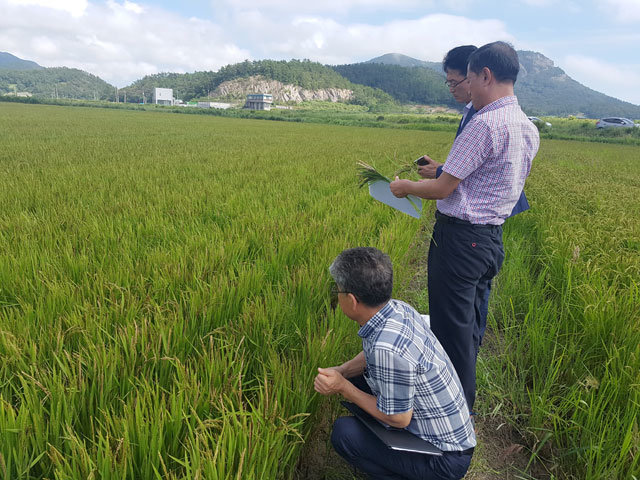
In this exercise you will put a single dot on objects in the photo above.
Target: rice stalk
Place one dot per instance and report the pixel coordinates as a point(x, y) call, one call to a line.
point(369, 175)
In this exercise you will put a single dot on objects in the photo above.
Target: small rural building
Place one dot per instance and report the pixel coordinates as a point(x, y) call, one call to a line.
point(163, 96)
point(259, 101)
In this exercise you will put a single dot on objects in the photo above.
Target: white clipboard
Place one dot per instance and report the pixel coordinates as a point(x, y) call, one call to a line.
point(380, 191)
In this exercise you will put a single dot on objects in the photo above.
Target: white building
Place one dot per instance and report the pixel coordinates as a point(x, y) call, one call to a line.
point(163, 96)
point(259, 101)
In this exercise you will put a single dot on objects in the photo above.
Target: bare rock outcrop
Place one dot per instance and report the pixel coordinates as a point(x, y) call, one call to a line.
point(281, 92)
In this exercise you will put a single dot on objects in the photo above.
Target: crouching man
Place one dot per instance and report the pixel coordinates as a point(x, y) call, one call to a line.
point(402, 377)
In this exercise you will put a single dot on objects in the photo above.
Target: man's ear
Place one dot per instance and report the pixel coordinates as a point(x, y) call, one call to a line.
point(352, 301)
point(487, 75)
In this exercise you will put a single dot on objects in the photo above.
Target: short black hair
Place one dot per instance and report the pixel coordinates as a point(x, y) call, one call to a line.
point(458, 58)
point(499, 57)
point(366, 272)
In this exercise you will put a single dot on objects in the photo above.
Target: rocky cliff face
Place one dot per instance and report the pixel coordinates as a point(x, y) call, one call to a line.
point(533, 63)
point(240, 87)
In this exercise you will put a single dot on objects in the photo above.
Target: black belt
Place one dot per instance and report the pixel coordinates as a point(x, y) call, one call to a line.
point(468, 451)
point(442, 218)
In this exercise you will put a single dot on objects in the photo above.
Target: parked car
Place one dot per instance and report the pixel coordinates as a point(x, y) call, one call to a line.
point(537, 120)
point(615, 122)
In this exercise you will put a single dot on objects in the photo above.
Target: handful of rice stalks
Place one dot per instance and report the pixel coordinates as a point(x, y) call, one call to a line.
point(369, 175)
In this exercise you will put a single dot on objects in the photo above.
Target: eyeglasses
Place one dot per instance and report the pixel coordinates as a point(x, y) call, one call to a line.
point(335, 291)
point(453, 84)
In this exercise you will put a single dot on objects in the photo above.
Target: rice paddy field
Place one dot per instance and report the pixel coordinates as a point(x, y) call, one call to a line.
point(165, 295)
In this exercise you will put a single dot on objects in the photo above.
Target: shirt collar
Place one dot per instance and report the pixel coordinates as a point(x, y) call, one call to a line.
point(501, 102)
point(377, 321)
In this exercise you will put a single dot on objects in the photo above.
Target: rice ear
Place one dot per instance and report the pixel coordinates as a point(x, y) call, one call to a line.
point(369, 175)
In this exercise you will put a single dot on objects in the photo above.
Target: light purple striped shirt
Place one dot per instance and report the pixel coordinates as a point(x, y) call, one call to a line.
point(492, 156)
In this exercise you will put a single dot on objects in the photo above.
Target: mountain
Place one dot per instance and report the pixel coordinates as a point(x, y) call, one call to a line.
point(292, 76)
point(59, 82)
point(407, 84)
point(11, 62)
point(542, 88)
point(404, 61)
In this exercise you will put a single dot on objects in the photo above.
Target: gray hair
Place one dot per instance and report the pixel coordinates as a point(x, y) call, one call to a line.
point(366, 272)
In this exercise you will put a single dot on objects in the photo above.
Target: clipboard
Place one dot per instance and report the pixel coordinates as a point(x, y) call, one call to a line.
point(410, 205)
point(393, 438)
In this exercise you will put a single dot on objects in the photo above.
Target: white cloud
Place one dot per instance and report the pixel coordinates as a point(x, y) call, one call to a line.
point(336, 7)
point(120, 42)
point(133, 7)
point(619, 81)
point(74, 7)
point(624, 11)
point(328, 41)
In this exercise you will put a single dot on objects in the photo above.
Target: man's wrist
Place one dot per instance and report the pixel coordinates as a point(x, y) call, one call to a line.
point(345, 388)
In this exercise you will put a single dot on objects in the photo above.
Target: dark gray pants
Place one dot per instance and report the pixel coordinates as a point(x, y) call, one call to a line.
point(463, 259)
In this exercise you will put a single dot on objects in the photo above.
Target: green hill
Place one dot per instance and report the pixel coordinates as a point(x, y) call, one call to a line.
point(59, 82)
point(542, 88)
point(11, 62)
point(414, 84)
point(302, 73)
point(405, 61)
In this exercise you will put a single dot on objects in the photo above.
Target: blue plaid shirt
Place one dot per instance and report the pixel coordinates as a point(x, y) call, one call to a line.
point(407, 368)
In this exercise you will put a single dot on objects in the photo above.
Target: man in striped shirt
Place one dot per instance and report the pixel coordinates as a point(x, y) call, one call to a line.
point(402, 377)
point(454, 65)
point(481, 182)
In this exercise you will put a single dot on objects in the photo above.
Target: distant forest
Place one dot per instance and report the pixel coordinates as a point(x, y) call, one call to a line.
point(303, 73)
point(56, 83)
point(405, 84)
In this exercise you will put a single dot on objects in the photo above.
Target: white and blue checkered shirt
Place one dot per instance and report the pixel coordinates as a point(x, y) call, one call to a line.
point(407, 368)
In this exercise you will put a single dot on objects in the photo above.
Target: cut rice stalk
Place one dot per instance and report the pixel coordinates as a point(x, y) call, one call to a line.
point(369, 175)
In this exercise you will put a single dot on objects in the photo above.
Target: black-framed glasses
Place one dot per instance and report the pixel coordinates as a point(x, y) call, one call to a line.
point(335, 291)
point(453, 84)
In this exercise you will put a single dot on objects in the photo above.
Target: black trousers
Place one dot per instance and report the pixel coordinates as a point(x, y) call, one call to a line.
point(362, 449)
point(463, 258)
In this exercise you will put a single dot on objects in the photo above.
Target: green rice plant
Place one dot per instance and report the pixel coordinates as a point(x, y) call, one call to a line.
point(164, 287)
point(165, 298)
point(568, 331)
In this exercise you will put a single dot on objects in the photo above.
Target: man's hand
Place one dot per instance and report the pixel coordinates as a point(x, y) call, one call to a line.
point(329, 381)
point(399, 187)
point(429, 170)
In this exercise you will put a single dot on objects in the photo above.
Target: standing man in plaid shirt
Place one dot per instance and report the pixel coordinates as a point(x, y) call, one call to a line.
point(481, 182)
point(454, 65)
point(402, 377)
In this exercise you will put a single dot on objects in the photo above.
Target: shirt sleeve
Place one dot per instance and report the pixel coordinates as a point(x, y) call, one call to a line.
point(395, 378)
point(470, 149)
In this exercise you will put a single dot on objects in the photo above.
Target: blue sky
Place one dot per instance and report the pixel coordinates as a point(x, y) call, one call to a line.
point(595, 42)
